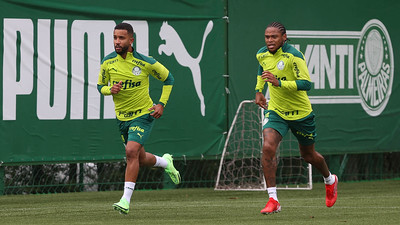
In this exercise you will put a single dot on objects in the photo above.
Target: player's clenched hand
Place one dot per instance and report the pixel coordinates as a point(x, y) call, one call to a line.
point(269, 77)
point(116, 88)
point(261, 101)
point(158, 111)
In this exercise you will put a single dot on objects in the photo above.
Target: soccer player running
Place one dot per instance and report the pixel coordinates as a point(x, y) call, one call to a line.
point(124, 74)
point(284, 69)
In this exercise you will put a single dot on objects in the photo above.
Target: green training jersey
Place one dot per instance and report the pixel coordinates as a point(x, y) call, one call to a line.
point(288, 65)
point(134, 99)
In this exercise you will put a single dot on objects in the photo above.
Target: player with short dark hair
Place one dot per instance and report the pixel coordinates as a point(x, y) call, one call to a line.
point(125, 26)
point(124, 74)
point(285, 70)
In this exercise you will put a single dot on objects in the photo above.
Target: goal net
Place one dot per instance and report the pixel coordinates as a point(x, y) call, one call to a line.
point(240, 166)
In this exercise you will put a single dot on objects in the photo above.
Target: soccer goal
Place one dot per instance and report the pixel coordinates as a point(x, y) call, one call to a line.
point(240, 166)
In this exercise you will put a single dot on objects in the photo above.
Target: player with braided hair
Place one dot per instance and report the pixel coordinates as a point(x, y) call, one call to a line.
point(285, 71)
point(278, 25)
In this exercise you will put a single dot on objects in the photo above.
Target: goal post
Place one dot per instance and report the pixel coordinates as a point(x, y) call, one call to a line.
point(240, 165)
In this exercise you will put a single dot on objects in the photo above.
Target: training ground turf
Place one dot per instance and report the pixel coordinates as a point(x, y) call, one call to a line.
point(358, 203)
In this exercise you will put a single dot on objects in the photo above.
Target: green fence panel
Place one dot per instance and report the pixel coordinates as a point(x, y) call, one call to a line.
point(50, 54)
point(352, 56)
point(50, 57)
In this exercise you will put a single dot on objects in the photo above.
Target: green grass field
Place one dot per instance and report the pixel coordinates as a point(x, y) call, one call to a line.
point(358, 203)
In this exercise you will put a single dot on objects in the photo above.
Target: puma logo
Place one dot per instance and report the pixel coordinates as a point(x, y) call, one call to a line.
point(174, 45)
point(141, 136)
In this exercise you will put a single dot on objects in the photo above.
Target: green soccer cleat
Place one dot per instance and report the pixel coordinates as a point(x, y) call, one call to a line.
point(122, 206)
point(172, 172)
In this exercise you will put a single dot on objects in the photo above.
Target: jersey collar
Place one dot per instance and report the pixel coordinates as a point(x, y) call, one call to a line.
point(129, 55)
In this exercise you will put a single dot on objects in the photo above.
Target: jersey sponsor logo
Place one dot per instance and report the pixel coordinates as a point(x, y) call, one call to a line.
point(349, 67)
point(308, 136)
point(262, 55)
point(280, 65)
point(138, 62)
point(157, 74)
point(103, 76)
point(136, 128)
point(280, 78)
point(296, 69)
point(136, 70)
point(284, 55)
point(174, 45)
point(129, 114)
point(111, 61)
point(289, 113)
point(128, 84)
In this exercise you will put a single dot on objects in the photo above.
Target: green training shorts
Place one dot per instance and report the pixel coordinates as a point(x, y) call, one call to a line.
point(137, 130)
point(303, 129)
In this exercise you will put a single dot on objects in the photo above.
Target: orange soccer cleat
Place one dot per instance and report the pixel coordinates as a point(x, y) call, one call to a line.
point(272, 206)
point(331, 193)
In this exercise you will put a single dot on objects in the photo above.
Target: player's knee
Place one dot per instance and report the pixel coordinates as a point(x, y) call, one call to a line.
point(269, 150)
point(269, 147)
point(132, 152)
